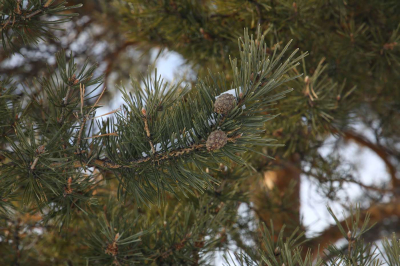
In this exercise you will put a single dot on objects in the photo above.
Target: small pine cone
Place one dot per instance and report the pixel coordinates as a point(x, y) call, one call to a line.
point(224, 104)
point(216, 140)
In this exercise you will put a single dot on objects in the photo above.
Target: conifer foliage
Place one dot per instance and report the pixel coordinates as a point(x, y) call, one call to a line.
point(21, 23)
point(160, 181)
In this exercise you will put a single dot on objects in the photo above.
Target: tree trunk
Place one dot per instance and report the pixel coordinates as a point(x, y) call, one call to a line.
point(276, 196)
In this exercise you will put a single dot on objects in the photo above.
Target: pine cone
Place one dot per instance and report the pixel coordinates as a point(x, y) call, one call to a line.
point(216, 140)
point(224, 104)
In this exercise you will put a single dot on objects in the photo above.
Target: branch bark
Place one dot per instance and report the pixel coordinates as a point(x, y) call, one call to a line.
point(112, 58)
point(158, 158)
point(378, 213)
point(379, 150)
point(276, 198)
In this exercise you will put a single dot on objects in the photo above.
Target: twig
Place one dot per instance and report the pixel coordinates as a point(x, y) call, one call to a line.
point(146, 128)
point(109, 113)
point(111, 59)
point(86, 117)
point(65, 102)
point(41, 149)
point(379, 150)
point(8, 21)
point(48, 3)
point(103, 135)
point(82, 94)
point(33, 14)
point(34, 163)
point(158, 158)
point(98, 99)
point(45, 6)
point(18, 9)
point(367, 187)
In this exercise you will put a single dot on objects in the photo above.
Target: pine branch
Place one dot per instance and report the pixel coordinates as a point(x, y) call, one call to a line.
point(157, 159)
point(19, 23)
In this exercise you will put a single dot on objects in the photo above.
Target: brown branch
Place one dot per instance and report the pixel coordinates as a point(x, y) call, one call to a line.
point(33, 13)
point(378, 213)
point(158, 158)
point(379, 150)
point(372, 235)
point(367, 187)
point(111, 59)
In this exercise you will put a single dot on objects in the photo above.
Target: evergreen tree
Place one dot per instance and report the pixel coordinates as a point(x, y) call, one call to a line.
point(163, 180)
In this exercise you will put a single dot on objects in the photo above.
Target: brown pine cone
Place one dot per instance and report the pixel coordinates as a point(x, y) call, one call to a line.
point(216, 140)
point(224, 104)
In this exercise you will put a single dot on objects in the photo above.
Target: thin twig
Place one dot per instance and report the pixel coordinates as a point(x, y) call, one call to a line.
point(111, 59)
point(103, 135)
point(8, 21)
point(98, 99)
point(33, 14)
point(367, 187)
point(48, 3)
point(109, 113)
point(82, 94)
point(65, 102)
point(379, 150)
point(66, 95)
point(18, 9)
point(40, 150)
point(86, 117)
point(158, 158)
point(146, 128)
point(34, 163)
